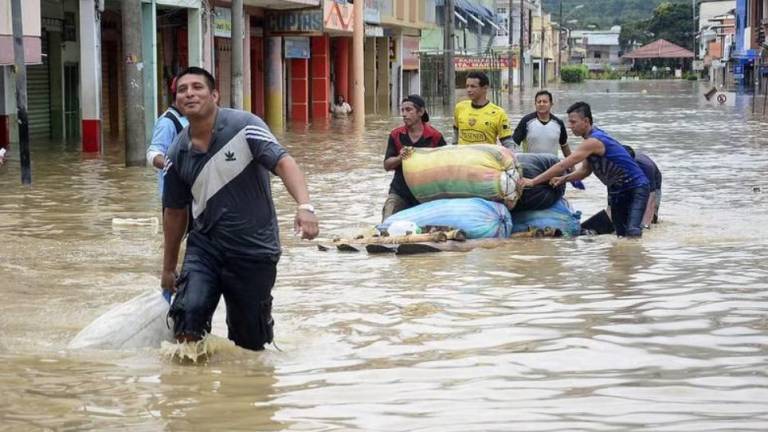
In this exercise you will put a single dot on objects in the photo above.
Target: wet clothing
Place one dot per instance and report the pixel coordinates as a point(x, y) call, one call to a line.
point(394, 203)
point(167, 127)
point(480, 124)
point(234, 245)
point(616, 168)
point(650, 170)
point(398, 139)
point(628, 189)
point(246, 284)
point(229, 186)
point(537, 136)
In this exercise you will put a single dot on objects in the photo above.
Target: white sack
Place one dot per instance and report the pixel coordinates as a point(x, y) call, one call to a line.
point(137, 323)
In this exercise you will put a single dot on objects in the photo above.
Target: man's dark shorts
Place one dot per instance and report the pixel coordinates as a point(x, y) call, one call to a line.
point(246, 284)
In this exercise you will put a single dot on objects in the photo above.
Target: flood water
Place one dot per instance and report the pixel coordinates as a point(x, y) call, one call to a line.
point(669, 333)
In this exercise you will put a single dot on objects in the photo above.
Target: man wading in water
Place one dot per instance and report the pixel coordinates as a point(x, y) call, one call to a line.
point(221, 165)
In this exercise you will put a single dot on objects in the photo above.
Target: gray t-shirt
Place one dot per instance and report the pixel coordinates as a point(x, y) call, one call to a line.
point(228, 186)
point(539, 137)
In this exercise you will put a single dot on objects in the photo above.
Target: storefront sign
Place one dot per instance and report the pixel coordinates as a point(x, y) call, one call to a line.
point(481, 63)
point(337, 15)
point(296, 47)
point(300, 21)
point(374, 31)
point(222, 22)
point(410, 53)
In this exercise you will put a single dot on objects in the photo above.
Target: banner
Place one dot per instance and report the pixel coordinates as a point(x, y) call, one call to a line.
point(337, 16)
point(482, 63)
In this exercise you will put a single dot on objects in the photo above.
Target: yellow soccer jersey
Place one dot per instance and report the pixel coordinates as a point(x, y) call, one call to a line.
point(480, 125)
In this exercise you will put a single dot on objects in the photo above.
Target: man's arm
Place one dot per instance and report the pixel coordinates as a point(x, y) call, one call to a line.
point(510, 143)
point(588, 147)
point(392, 158)
point(305, 221)
point(162, 137)
point(564, 147)
point(174, 228)
point(583, 171)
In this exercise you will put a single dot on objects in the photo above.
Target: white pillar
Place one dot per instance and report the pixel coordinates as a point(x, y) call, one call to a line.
point(90, 75)
point(195, 35)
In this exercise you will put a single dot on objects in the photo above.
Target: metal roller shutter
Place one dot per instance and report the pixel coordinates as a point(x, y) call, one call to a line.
point(39, 101)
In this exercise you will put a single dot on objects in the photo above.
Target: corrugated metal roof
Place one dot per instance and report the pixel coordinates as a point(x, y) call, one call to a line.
point(603, 39)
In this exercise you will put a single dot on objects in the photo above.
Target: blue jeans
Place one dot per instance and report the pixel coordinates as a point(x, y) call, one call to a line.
point(627, 209)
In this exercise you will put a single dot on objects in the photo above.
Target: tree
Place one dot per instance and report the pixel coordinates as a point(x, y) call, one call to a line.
point(672, 21)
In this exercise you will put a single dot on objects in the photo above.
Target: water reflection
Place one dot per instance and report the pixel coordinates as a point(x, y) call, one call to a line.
point(594, 333)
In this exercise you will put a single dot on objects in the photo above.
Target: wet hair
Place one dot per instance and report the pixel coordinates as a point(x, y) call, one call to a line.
point(480, 76)
point(194, 70)
point(630, 150)
point(340, 98)
point(583, 109)
point(418, 102)
point(543, 93)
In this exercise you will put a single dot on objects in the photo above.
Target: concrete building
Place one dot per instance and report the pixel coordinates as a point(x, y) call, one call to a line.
point(598, 49)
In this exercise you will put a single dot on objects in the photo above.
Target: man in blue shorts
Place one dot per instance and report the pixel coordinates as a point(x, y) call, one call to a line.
point(628, 188)
point(220, 165)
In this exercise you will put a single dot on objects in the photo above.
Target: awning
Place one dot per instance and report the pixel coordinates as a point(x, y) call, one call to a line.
point(461, 18)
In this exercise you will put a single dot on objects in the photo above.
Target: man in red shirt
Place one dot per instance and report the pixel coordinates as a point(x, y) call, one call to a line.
point(415, 132)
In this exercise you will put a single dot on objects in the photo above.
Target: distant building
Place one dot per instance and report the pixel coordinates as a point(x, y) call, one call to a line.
point(598, 49)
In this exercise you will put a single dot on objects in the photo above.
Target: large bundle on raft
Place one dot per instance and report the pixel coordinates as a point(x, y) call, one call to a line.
point(483, 171)
point(476, 217)
point(543, 196)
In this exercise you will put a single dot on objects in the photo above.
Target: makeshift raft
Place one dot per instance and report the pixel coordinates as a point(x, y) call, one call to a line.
point(438, 241)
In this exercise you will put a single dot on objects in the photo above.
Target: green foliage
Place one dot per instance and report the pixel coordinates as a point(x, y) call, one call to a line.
point(574, 73)
point(691, 76)
point(605, 13)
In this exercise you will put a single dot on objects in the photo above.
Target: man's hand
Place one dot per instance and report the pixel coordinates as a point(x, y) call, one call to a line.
point(305, 224)
point(168, 280)
point(525, 182)
point(405, 153)
point(557, 181)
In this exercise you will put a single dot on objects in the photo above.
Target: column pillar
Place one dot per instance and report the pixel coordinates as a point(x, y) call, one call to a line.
point(299, 90)
point(321, 76)
point(196, 39)
point(370, 75)
point(56, 76)
point(149, 52)
point(358, 40)
point(273, 63)
point(247, 63)
point(90, 75)
point(341, 52)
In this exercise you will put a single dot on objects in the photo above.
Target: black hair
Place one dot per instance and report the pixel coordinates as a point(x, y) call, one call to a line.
point(544, 92)
point(630, 150)
point(419, 102)
point(583, 109)
point(481, 76)
point(194, 70)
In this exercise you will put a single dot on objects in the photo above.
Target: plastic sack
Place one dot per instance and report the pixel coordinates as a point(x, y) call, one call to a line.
point(558, 217)
point(137, 323)
point(478, 218)
point(540, 197)
point(481, 170)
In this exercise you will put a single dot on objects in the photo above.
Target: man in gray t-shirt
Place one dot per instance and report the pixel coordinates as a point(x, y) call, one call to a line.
point(541, 131)
point(220, 165)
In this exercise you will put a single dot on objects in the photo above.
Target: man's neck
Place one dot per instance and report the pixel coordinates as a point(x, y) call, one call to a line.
point(201, 130)
point(415, 129)
point(588, 132)
point(480, 102)
point(543, 116)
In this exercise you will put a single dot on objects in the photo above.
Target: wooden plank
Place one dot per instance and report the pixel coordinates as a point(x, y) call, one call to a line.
point(381, 249)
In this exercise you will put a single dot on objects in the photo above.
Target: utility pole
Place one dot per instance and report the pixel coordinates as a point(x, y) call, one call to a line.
point(522, 46)
point(133, 90)
point(21, 92)
point(449, 70)
point(237, 55)
point(358, 66)
point(558, 60)
point(542, 84)
point(510, 69)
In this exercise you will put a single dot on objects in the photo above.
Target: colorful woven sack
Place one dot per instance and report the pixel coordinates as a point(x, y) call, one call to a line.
point(483, 170)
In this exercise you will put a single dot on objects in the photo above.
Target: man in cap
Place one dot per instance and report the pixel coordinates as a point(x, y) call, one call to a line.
point(415, 132)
